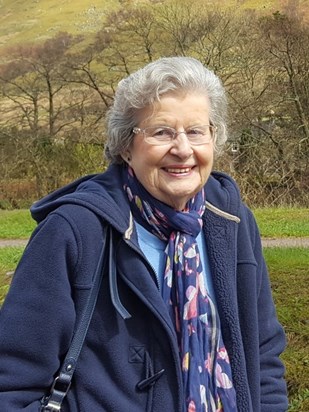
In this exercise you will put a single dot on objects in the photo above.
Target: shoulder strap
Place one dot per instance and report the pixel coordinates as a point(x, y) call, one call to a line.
point(62, 382)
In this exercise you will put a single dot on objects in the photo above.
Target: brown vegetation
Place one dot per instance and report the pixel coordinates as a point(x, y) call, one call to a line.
point(53, 96)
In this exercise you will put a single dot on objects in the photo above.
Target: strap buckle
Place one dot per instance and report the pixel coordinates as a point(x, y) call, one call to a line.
point(58, 392)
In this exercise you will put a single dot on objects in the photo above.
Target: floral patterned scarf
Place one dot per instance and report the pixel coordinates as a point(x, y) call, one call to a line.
point(207, 376)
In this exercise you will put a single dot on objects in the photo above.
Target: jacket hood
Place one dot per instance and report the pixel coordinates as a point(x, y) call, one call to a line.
point(103, 194)
point(222, 196)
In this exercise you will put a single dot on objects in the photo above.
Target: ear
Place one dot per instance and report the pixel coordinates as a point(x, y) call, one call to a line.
point(126, 156)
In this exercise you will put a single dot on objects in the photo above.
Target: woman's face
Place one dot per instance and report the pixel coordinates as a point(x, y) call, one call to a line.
point(175, 172)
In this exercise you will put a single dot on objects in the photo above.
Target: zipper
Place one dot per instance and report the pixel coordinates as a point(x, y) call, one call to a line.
point(222, 213)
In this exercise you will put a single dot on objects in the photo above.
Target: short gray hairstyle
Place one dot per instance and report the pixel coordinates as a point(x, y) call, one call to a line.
point(145, 86)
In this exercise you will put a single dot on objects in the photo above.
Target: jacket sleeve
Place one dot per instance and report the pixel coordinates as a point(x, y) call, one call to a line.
point(38, 316)
point(272, 340)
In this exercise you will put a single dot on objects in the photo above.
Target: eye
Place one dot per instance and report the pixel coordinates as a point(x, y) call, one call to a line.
point(195, 132)
point(160, 132)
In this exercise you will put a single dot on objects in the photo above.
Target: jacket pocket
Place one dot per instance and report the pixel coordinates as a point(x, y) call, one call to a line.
point(138, 354)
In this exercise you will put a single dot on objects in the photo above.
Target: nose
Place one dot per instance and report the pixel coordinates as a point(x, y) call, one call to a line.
point(181, 146)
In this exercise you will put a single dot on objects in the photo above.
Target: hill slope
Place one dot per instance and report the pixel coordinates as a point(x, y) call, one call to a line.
point(37, 20)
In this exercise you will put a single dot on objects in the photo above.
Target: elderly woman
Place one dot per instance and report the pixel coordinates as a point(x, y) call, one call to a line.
point(186, 322)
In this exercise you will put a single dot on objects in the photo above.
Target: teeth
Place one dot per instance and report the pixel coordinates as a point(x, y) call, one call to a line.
point(179, 170)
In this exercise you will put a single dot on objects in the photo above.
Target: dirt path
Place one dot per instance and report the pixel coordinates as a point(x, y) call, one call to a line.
point(13, 242)
point(267, 242)
point(286, 242)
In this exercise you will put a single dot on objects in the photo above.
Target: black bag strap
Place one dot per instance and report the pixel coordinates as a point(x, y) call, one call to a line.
point(62, 383)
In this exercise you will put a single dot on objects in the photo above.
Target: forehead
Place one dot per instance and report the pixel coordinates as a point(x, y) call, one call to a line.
point(177, 106)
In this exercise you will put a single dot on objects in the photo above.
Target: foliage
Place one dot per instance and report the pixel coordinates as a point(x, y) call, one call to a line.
point(54, 94)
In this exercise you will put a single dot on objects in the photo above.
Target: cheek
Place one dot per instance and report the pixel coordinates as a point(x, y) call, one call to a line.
point(205, 166)
point(147, 160)
point(205, 159)
point(145, 169)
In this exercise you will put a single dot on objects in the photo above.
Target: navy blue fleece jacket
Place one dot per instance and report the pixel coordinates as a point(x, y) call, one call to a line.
point(54, 277)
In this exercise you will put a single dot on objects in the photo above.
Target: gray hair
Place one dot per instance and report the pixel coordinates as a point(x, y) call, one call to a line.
point(145, 86)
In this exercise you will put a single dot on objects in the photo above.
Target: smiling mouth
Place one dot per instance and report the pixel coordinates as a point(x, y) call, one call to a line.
point(178, 170)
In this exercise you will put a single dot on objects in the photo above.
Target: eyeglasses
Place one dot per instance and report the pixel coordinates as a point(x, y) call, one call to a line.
point(163, 135)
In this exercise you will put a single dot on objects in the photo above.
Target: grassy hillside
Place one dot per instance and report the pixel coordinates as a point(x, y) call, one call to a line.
point(35, 20)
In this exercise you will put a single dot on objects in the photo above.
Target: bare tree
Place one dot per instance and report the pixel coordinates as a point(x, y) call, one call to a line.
point(54, 95)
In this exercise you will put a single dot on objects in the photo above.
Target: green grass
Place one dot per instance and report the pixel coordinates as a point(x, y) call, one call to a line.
point(273, 222)
point(289, 278)
point(283, 222)
point(16, 224)
point(9, 257)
